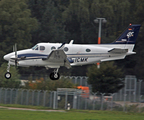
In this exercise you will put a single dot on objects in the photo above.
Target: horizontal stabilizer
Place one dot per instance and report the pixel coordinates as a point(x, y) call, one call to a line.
point(118, 50)
point(113, 58)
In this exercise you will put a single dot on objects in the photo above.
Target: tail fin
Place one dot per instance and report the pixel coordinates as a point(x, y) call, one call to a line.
point(129, 35)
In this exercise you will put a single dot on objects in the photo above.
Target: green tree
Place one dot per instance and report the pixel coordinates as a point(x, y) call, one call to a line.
point(134, 64)
point(106, 79)
point(52, 28)
point(13, 82)
point(80, 14)
point(49, 16)
point(138, 68)
point(48, 84)
point(38, 8)
point(76, 19)
point(16, 25)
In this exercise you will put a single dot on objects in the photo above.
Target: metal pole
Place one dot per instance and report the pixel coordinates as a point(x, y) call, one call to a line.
point(85, 103)
point(130, 88)
point(50, 99)
point(79, 96)
point(112, 100)
point(94, 101)
point(100, 21)
point(22, 97)
point(81, 78)
point(121, 95)
point(27, 97)
point(139, 88)
point(75, 79)
point(140, 102)
point(102, 101)
point(11, 96)
point(44, 98)
point(38, 98)
point(74, 100)
point(99, 38)
point(16, 99)
point(135, 89)
point(5, 95)
point(66, 97)
point(57, 99)
point(0, 94)
point(54, 100)
point(86, 84)
point(134, 97)
point(124, 101)
point(99, 34)
point(33, 97)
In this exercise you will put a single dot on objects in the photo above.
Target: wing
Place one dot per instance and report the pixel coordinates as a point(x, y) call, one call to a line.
point(59, 57)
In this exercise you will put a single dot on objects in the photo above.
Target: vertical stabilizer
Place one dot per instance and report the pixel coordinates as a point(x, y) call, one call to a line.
point(129, 36)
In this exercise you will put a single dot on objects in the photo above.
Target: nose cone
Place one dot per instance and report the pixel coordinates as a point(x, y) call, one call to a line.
point(7, 57)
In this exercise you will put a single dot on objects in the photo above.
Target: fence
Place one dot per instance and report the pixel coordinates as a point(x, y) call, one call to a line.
point(25, 97)
point(63, 97)
point(59, 99)
point(54, 99)
point(132, 91)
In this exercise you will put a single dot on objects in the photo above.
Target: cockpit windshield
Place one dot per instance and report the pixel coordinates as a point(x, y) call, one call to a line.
point(35, 47)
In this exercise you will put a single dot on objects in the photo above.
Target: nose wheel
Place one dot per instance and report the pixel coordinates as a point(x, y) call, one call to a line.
point(55, 75)
point(8, 75)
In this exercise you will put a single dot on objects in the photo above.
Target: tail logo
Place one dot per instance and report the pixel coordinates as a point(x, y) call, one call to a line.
point(130, 34)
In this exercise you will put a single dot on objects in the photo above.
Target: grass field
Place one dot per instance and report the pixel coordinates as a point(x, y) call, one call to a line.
point(6, 114)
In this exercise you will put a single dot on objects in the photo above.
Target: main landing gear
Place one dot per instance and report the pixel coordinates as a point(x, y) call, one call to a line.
point(8, 74)
point(55, 75)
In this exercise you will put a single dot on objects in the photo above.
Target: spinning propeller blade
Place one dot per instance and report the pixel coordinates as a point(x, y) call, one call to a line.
point(16, 57)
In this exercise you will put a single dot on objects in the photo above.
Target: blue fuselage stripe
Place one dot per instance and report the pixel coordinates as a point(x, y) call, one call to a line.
point(31, 56)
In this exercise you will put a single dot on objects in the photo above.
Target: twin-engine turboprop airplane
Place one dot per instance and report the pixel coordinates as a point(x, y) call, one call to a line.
point(55, 55)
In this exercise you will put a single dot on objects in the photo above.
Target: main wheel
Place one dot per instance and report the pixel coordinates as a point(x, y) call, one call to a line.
point(8, 75)
point(54, 76)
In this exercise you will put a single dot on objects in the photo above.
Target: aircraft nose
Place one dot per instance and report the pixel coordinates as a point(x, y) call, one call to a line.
point(6, 57)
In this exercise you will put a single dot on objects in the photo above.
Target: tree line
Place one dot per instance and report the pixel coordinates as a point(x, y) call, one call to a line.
point(28, 22)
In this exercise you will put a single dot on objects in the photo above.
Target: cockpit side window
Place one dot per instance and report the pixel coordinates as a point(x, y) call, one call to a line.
point(42, 48)
point(35, 47)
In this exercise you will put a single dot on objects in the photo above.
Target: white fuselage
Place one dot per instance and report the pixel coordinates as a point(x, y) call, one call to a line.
point(77, 54)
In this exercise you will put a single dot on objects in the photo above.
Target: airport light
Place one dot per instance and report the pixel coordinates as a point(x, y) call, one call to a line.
point(100, 21)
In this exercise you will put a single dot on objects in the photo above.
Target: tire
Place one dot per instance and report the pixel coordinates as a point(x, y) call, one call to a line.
point(53, 77)
point(8, 75)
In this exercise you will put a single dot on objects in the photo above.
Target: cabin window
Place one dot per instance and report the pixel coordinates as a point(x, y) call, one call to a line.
point(88, 50)
point(42, 48)
point(65, 49)
point(53, 47)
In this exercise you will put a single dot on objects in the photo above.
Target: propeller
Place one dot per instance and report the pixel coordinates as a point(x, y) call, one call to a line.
point(16, 56)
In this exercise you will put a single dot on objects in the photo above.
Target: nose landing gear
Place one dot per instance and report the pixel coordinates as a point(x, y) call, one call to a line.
point(8, 74)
